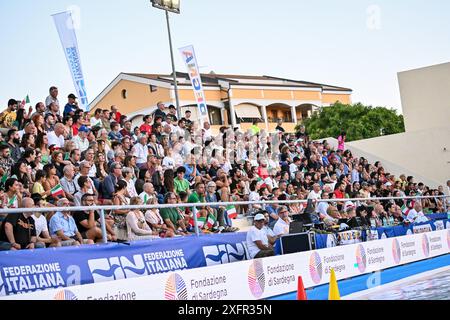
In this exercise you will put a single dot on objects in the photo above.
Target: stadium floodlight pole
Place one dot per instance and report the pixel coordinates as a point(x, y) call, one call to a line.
point(172, 6)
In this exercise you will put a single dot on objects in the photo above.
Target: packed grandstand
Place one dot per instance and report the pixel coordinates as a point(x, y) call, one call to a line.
point(57, 155)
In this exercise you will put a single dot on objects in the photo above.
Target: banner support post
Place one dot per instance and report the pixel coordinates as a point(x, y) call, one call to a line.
point(103, 224)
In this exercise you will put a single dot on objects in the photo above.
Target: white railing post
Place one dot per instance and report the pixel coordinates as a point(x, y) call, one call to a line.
point(103, 225)
point(197, 232)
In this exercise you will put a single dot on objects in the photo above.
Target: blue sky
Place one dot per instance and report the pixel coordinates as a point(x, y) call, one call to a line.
point(352, 43)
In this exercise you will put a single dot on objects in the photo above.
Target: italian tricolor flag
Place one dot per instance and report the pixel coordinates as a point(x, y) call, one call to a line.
point(211, 221)
point(231, 212)
point(200, 221)
point(57, 190)
point(405, 209)
point(25, 101)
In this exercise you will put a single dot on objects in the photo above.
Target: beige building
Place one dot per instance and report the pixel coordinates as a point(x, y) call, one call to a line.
point(233, 100)
point(424, 149)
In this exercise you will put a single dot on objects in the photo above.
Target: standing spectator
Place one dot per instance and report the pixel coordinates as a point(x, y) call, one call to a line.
point(52, 98)
point(279, 126)
point(115, 114)
point(257, 240)
point(71, 106)
point(8, 117)
point(19, 229)
point(140, 151)
point(128, 175)
point(341, 141)
point(160, 111)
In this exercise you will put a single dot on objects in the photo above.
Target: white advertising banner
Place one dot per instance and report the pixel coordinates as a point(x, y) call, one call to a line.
point(261, 278)
point(66, 31)
point(189, 58)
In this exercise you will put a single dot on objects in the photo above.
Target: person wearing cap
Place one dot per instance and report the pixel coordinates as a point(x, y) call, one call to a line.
point(80, 140)
point(71, 106)
point(257, 240)
point(282, 225)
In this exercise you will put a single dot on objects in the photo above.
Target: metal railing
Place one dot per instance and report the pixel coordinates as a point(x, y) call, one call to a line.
point(101, 209)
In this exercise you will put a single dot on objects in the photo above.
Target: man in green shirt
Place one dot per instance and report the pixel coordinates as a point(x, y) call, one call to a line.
point(199, 197)
point(180, 183)
point(172, 218)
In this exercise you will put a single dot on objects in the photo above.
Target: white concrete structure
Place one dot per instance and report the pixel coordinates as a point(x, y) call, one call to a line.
point(423, 151)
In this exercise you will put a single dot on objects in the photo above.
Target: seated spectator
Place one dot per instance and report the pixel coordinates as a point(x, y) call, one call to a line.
point(40, 222)
point(180, 183)
point(333, 216)
point(257, 239)
point(64, 228)
point(19, 229)
point(119, 215)
point(155, 220)
point(88, 223)
point(112, 180)
point(137, 227)
point(282, 225)
point(38, 188)
point(68, 183)
point(416, 214)
point(172, 218)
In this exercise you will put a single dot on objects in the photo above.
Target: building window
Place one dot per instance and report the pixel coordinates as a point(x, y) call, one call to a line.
point(287, 116)
point(124, 94)
point(153, 88)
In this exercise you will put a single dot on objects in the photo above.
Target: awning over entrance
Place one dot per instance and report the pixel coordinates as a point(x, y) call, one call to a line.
point(247, 111)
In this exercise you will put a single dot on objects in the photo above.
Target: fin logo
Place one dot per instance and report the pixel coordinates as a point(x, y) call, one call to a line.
point(2, 286)
point(224, 253)
point(115, 268)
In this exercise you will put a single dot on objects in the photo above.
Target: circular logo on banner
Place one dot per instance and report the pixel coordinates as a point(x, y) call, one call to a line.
point(425, 245)
point(175, 288)
point(315, 267)
point(396, 252)
point(256, 278)
point(361, 258)
point(65, 295)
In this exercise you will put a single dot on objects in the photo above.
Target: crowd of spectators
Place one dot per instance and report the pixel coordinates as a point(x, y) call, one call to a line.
point(56, 155)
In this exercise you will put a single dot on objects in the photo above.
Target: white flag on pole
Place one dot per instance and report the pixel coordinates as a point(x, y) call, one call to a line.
point(189, 58)
point(64, 25)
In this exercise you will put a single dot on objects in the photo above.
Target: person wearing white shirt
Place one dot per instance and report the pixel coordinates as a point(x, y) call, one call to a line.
point(140, 151)
point(322, 206)
point(416, 215)
point(42, 234)
point(315, 193)
point(257, 240)
point(80, 140)
point(282, 225)
point(56, 137)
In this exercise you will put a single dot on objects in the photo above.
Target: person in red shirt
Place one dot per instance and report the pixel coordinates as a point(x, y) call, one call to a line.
point(115, 114)
point(263, 173)
point(146, 127)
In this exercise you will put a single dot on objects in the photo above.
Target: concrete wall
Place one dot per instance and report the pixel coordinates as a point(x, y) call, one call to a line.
point(417, 153)
point(425, 95)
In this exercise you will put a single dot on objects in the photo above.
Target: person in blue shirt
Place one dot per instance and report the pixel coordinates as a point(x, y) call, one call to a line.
point(115, 133)
point(71, 106)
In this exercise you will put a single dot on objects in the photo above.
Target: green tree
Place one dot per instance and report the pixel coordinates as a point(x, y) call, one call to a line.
point(357, 120)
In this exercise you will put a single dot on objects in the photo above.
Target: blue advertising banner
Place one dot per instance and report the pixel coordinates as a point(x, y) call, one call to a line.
point(32, 270)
